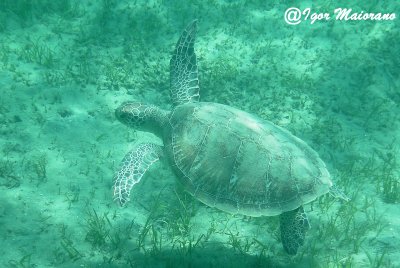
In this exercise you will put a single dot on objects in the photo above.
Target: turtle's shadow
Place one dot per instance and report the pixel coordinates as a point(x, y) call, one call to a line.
point(209, 256)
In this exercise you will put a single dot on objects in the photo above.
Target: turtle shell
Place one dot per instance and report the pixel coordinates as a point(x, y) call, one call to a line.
point(236, 162)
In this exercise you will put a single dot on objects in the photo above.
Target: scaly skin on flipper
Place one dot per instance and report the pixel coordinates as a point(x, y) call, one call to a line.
point(183, 68)
point(294, 225)
point(133, 166)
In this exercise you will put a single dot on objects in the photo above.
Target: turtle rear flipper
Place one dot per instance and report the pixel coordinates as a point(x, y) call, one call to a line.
point(133, 167)
point(294, 225)
point(183, 68)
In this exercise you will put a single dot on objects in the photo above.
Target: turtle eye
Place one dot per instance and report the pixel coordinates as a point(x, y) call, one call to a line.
point(121, 115)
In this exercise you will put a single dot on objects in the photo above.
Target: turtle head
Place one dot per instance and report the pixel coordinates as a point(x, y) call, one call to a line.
point(145, 117)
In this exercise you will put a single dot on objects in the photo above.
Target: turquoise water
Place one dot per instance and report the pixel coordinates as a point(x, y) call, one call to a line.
point(65, 66)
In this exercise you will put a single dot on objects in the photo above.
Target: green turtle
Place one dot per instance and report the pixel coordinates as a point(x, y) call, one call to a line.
point(224, 157)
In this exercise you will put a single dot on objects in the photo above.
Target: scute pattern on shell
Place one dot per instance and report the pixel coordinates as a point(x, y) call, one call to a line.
point(238, 163)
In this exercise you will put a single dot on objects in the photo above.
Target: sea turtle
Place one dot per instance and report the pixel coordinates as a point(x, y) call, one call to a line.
point(225, 157)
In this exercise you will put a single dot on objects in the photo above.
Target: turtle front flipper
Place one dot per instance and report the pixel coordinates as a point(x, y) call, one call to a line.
point(183, 68)
point(294, 225)
point(133, 167)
